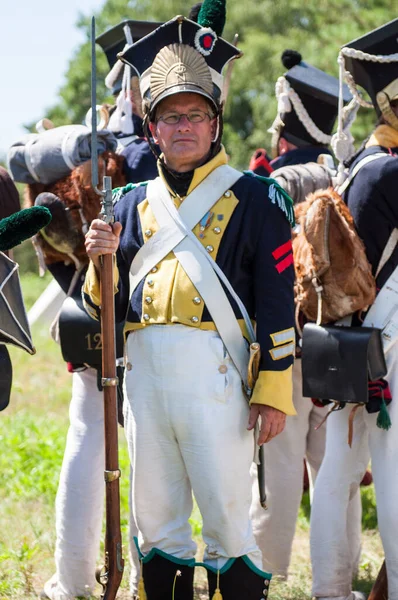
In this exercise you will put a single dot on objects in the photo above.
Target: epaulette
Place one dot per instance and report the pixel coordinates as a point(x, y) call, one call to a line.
point(277, 195)
point(119, 192)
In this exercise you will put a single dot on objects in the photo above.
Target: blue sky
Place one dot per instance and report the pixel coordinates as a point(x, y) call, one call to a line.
point(38, 38)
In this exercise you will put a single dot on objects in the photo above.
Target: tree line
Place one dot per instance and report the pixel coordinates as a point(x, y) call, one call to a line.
point(316, 28)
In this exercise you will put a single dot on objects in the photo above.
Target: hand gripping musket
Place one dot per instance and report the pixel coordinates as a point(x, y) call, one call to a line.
point(111, 573)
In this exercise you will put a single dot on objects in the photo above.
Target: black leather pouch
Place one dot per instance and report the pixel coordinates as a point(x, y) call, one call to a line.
point(337, 362)
point(80, 335)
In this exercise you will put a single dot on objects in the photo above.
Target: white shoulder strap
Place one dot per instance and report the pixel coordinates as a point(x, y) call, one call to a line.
point(194, 260)
point(388, 250)
point(364, 161)
point(125, 141)
point(176, 216)
point(194, 207)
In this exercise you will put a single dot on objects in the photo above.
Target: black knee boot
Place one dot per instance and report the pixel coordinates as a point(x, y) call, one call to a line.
point(161, 575)
point(239, 581)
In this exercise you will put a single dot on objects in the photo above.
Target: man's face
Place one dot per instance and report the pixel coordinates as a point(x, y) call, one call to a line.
point(185, 144)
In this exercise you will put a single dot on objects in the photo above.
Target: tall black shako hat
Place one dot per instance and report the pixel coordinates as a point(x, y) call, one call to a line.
point(372, 63)
point(115, 40)
point(307, 103)
point(183, 56)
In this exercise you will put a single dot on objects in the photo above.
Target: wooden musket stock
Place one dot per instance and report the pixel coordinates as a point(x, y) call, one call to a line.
point(379, 590)
point(110, 575)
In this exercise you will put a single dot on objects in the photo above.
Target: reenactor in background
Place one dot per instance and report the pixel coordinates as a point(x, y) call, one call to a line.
point(371, 195)
point(125, 118)
point(307, 111)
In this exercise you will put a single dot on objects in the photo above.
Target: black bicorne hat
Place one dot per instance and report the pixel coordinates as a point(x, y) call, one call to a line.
point(306, 87)
point(194, 12)
point(180, 56)
point(114, 40)
point(378, 73)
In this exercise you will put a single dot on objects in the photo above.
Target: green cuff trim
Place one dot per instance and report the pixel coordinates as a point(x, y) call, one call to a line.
point(118, 193)
point(187, 562)
point(255, 569)
point(277, 195)
point(231, 561)
point(190, 562)
point(225, 568)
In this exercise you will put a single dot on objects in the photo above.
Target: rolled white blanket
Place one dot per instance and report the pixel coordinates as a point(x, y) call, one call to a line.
point(48, 156)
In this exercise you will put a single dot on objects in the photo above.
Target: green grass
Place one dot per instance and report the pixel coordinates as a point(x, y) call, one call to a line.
point(32, 439)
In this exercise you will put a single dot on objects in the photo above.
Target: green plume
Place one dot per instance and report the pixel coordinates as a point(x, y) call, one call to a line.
point(22, 225)
point(213, 14)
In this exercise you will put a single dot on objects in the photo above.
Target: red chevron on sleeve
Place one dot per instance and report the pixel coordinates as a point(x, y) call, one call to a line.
point(280, 251)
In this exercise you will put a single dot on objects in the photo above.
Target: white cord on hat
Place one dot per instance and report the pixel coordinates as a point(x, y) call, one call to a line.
point(359, 55)
point(287, 99)
point(342, 141)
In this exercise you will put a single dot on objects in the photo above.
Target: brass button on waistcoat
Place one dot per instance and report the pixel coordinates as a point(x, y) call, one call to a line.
point(223, 369)
point(195, 319)
point(154, 269)
point(148, 300)
point(217, 230)
point(227, 194)
point(209, 248)
point(197, 300)
point(148, 233)
point(146, 317)
point(150, 282)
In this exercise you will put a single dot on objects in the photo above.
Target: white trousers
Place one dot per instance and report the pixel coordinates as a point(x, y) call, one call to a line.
point(185, 422)
point(275, 527)
point(80, 495)
point(338, 480)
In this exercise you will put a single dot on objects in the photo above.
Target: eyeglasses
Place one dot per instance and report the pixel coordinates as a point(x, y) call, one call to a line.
point(193, 116)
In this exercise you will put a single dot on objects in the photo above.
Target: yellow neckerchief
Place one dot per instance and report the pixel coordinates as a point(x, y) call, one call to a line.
point(200, 173)
point(383, 135)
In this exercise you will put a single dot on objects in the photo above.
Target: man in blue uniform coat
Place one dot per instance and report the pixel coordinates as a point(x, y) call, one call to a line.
point(187, 422)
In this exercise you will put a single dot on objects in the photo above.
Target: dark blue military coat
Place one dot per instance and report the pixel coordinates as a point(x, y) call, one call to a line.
point(373, 201)
point(298, 156)
point(249, 237)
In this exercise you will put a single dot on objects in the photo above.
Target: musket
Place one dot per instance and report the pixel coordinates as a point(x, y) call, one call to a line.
point(111, 573)
point(379, 590)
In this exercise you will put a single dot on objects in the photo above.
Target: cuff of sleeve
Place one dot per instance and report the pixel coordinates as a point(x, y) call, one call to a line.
point(91, 285)
point(275, 388)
